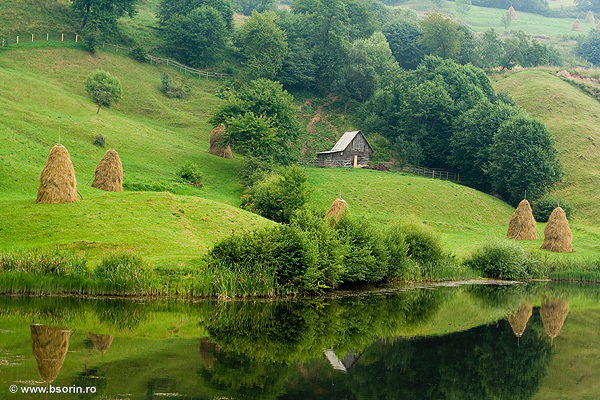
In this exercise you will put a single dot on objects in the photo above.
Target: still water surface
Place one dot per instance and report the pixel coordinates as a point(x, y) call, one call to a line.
point(472, 341)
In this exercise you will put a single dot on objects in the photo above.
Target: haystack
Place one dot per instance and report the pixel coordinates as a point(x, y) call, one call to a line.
point(108, 174)
point(338, 207)
point(522, 224)
point(208, 352)
point(101, 342)
point(518, 320)
point(50, 345)
point(57, 182)
point(512, 13)
point(589, 18)
point(577, 26)
point(557, 234)
point(553, 313)
point(216, 143)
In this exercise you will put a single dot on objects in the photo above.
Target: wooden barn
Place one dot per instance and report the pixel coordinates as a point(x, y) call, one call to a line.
point(352, 149)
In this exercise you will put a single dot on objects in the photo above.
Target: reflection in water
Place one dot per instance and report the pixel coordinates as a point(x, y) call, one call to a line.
point(518, 320)
point(554, 312)
point(208, 352)
point(346, 363)
point(50, 345)
point(101, 342)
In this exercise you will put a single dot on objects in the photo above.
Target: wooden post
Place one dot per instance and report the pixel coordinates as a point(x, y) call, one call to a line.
point(32, 37)
point(76, 37)
point(17, 40)
point(47, 37)
point(62, 37)
point(433, 174)
point(103, 43)
point(3, 42)
point(355, 161)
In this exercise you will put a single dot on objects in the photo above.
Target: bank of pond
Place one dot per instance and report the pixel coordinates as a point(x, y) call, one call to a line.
point(469, 341)
point(310, 256)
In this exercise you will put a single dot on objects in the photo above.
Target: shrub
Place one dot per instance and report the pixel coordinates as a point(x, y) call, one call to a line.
point(190, 172)
point(126, 274)
point(545, 205)
point(173, 90)
point(139, 54)
point(424, 246)
point(99, 141)
point(503, 259)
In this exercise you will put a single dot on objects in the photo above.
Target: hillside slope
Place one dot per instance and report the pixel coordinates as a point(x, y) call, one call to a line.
point(573, 118)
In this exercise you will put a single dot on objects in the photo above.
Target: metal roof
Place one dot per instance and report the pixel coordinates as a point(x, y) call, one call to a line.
point(345, 140)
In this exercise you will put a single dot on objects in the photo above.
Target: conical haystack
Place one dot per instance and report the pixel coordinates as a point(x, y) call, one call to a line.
point(512, 13)
point(338, 207)
point(208, 352)
point(518, 320)
point(108, 174)
point(557, 234)
point(522, 224)
point(101, 342)
point(50, 345)
point(589, 18)
point(216, 144)
point(553, 313)
point(577, 26)
point(57, 182)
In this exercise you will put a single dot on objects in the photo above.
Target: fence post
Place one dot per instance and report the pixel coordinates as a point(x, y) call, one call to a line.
point(103, 43)
point(32, 37)
point(47, 36)
point(3, 42)
point(76, 37)
point(62, 37)
point(433, 174)
point(17, 40)
point(117, 47)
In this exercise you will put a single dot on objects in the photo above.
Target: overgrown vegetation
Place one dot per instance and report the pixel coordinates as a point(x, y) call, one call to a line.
point(504, 259)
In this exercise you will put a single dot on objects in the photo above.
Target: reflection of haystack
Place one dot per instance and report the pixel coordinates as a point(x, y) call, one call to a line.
point(208, 352)
point(522, 224)
point(518, 320)
point(50, 345)
point(57, 182)
point(577, 26)
point(512, 13)
point(101, 342)
point(216, 143)
point(109, 173)
point(589, 18)
point(553, 313)
point(338, 207)
point(557, 234)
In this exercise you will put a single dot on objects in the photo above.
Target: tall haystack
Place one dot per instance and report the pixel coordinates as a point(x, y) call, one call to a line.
point(108, 174)
point(553, 313)
point(589, 18)
point(101, 342)
point(57, 182)
point(512, 13)
point(522, 224)
point(216, 144)
point(577, 26)
point(338, 207)
point(557, 234)
point(50, 345)
point(518, 320)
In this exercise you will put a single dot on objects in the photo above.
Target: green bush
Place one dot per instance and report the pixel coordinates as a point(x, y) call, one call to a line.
point(424, 246)
point(503, 259)
point(545, 205)
point(173, 90)
point(190, 172)
point(99, 141)
point(126, 274)
point(139, 54)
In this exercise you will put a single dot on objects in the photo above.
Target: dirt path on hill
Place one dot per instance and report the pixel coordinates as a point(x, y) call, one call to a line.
point(319, 116)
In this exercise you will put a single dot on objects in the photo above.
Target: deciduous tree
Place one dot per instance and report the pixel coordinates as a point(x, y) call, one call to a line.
point(104, 88)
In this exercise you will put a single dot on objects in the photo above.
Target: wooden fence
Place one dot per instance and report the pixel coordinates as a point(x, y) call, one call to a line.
point(62, 37)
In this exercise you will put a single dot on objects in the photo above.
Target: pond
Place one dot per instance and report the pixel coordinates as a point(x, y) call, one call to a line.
point(466, 341)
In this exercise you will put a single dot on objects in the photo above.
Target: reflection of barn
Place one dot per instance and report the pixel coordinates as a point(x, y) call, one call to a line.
point(346, 363)
point(351, 150)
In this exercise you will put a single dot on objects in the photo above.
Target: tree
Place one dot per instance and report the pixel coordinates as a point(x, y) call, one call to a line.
point(523, 158)
point(462, 7)
point(265, 46)
point(170, 8)
point(441, 36)
point(588, 5)
point(403, 38)
point(103, 12)
point(104, 88)
point(506, 20)
point(197, 37)
point(268, 102)
point(589, 47)
point(246, 7)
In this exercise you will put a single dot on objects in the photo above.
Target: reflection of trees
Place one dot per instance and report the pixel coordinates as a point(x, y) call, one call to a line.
point(121, 314)
point(91, 378)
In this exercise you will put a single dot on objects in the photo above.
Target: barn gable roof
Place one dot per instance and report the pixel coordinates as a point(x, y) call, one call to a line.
point(344, 141)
